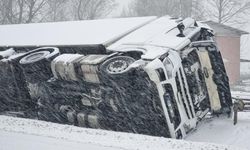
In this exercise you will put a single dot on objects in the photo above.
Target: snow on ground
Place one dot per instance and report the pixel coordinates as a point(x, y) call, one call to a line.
point(222, 131)
point(21, 141)
point(240, 94)
point(243, 87)
point(25, 134)
point(245, 68)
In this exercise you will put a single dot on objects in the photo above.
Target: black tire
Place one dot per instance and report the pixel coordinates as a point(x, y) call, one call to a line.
point(36, 65)
point(34, 57)
point(14, 92)
point(116, 65)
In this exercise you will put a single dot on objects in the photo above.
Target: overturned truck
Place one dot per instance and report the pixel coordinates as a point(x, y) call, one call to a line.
point(148, 75)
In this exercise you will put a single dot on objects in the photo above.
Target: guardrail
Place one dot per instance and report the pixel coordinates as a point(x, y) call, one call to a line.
point(240, 104)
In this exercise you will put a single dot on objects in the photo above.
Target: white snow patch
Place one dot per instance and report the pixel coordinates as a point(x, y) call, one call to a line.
point(245, 68)
point(240, 94)
point(84, 32)
point(222, 131)
point(7, 53)
point(25, 134)
point(21, 141)
point(147, 32)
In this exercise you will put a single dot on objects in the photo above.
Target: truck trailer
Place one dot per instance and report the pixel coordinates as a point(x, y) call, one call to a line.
point(145, 75)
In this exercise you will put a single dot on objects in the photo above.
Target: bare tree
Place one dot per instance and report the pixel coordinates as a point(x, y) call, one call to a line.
point(92, 9)
point(155, 7)
point(228, 11)
point(20, 11)
point(9, 9)
point(56, 10)
point(27, 11)
point(34, 8)
point(175, 8)
point(185, 8)
point(198, 11)
point(128, 11)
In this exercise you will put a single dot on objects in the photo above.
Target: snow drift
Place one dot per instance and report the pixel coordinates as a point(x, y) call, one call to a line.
point(46, 135)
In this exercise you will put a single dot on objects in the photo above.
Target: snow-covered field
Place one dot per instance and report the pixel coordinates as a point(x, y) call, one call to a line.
point(22, 141)
point(25, 134)
point(222, 131)
point(245, 68)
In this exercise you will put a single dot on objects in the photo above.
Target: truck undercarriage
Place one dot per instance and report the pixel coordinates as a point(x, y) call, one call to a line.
point(147, 88)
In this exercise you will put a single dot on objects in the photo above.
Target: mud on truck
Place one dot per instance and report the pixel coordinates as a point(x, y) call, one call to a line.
point(153, 76)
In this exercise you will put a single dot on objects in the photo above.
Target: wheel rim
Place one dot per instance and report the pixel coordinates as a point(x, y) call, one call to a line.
point(117, 66)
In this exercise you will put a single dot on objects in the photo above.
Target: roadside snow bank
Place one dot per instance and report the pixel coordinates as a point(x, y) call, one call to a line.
point(245, 68)
point(102, 138)
point(19, 141)
point(240, 94)
point(222, 131)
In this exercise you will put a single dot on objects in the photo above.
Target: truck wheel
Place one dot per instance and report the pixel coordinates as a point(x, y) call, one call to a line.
point(116, 65)
point(36, 65)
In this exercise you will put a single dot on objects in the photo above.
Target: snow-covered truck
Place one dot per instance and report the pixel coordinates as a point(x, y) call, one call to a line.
point(147, 75)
